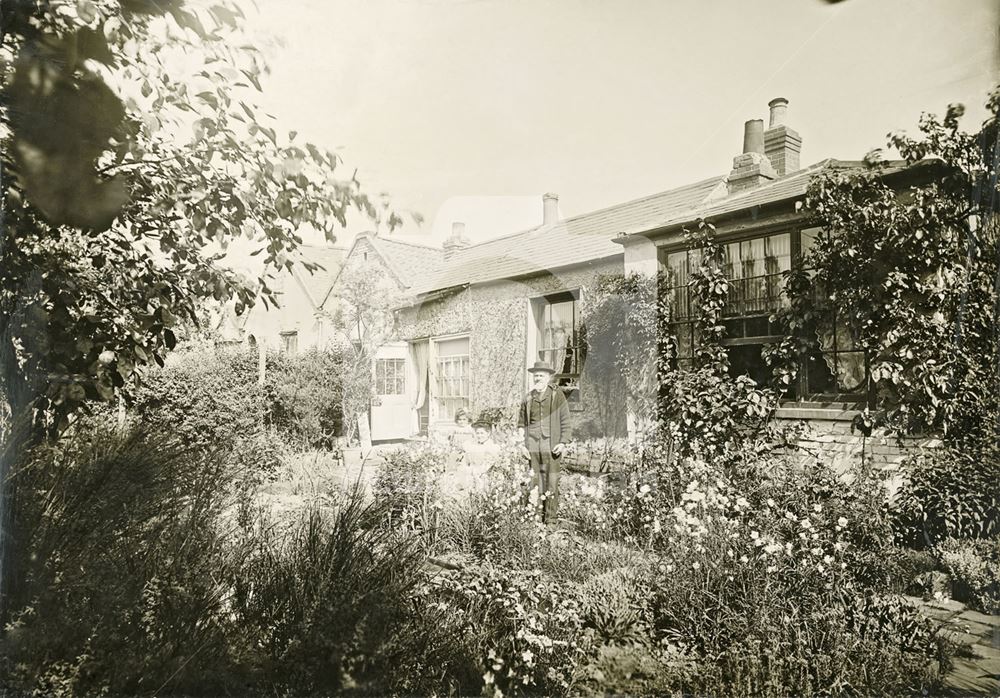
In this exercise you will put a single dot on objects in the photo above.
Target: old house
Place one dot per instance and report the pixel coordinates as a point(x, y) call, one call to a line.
point(466, 331)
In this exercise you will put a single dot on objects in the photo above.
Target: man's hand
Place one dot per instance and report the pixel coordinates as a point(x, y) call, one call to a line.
point(558, 450)
point(524, 452)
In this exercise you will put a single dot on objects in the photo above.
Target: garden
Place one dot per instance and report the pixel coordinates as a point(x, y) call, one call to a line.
point(177, 522)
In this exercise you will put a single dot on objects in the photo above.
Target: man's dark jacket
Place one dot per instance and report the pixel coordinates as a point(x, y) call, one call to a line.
point(555, 416)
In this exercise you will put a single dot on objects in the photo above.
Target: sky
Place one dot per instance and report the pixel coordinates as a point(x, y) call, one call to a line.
point(471, 109)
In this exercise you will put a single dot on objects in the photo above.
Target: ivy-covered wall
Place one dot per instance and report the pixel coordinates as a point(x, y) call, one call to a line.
point(496, 317)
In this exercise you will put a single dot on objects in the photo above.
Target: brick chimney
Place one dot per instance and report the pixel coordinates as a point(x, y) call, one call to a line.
point(751, 168)
point(457, 239)
point(550, 208)
point(781, 144)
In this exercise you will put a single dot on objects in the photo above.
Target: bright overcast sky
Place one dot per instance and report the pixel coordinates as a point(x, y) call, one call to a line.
point(602, 101)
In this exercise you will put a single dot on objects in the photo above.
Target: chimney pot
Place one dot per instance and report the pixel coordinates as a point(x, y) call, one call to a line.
point(753, 136)
point(782, 145)
point(550, 208)
point(457, 239)
point(779, 108)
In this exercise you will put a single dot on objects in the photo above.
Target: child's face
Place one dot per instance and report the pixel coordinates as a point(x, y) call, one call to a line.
point(462, 420)
point(482, 435)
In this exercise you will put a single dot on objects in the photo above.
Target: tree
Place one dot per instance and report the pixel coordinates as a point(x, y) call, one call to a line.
point(914, 275)
point(128, 172)
point(131, 153)
point(365, 318)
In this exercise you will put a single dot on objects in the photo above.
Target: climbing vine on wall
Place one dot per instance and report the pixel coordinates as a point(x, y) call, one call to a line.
point(913, 276)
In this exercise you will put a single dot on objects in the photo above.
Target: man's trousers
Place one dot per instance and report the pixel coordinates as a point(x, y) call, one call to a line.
point(544, 474)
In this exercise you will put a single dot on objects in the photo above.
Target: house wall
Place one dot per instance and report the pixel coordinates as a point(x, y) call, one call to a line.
point(830, 438)
point(496, 318)
point(295, 314)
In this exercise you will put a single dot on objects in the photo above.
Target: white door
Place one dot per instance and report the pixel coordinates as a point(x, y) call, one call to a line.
point(391, 417)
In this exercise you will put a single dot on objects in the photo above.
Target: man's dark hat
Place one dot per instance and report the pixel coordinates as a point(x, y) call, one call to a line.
point(541, 366)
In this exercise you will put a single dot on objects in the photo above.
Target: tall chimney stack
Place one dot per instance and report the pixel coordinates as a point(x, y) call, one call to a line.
point(751, 168)
point(457, 240)
point(550, 208)
point(782, 145)
point(753, 136)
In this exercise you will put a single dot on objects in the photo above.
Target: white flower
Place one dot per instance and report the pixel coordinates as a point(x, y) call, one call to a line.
point(817, 508)
point(817, 551)
point(527, 656)
point(644, 489)
point(742, 502)
point(770, 502)
point(841, 521)
point(696, 565)
point(771, 569)
point(106, 357)
point(772, 548)
point(828, 559)
point(744, 559)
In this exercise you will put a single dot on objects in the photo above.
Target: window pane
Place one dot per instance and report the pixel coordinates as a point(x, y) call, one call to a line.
point(851, 371)
point(747, 360)
point(453, 347)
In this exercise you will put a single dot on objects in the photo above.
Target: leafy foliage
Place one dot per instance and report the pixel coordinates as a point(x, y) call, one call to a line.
point(914, 275)
point(93, 285)
point(364, 316)
point(975, 570)
point(952, 491)
point(621, 322)
point(304, 397)
point(124, 565)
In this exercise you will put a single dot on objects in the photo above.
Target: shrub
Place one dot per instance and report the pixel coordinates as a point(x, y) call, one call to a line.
point(124, 567)
point(765, 573)
point(304, 397)
point(326, 606)
point(407, 480)
point(975, 571)
point(953, 491)
point(210, 399)
point(525, 628)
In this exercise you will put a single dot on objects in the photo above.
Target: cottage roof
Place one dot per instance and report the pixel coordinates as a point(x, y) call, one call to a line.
point(411, 262)
point(566, 242)
point(317, 285)
point(791, 186)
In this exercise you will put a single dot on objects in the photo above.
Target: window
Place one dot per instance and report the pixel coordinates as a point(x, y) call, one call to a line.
point(451, 381)
point(559, 341)
point(290, 342)
point(755, 270)
point(390, 376)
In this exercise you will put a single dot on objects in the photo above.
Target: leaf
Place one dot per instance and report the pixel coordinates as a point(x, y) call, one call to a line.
point(253, 79)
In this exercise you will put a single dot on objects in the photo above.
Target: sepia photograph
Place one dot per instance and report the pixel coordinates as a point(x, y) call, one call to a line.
point(571, 348)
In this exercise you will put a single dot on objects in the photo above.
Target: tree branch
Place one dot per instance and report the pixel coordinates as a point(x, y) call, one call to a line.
point(133, 163)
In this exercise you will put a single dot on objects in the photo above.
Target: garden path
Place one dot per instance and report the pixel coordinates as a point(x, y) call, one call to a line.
point(976, 670)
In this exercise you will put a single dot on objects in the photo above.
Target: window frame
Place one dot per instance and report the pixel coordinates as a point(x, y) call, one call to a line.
point(439, 411)
point(799, 392)
point(570, 383)
point(382, 376)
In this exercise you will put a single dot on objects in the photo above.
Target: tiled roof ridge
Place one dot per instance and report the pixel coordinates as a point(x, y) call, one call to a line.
point(407, 242)
point(313, 246)
point(596, 211)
